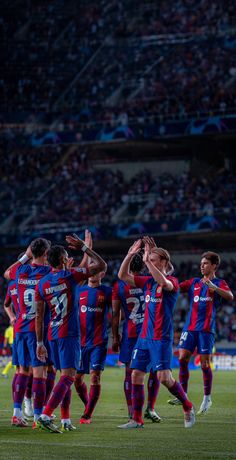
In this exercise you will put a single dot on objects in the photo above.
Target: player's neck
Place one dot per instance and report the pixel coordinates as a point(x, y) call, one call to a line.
point(38, 261)
point(94, 284)
point(211, 276)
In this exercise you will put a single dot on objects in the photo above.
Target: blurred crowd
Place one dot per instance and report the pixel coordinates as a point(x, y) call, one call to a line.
point(91, 61)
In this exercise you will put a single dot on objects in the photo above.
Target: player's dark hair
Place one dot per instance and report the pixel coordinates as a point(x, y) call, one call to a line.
point(136, 264)
point(213, 257)
point(39, 246)
point(55, 254)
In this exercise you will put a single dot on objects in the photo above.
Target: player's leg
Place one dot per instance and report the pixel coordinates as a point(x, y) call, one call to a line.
point(20, 382)
point(186, 346)
point(153, 389)
point(139, 364)
point(66, 353)
point(80, 385)
point(205, 347)
point(97, 360)
point(38, 390)
point(28, 407)
point(94, 395)
point(128, 389)
point(50, 381)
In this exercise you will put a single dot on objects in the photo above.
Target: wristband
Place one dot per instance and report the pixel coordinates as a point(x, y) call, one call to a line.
point(40, 344)
point(84, 248)
point(24, 259)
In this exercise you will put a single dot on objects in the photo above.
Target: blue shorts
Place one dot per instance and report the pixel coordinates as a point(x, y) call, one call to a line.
point(15, 360)
point(26, 345)
point(93, 357)
point(126, 349)
point(65, 352)
point(204, 341)
point(155, 354)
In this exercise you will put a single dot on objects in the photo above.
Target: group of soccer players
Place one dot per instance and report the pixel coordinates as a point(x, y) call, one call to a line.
point(60, 314)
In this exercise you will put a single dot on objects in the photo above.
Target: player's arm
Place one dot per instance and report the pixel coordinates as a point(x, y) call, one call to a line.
point(116, 314)
point(99, 264)
point(224, 293)
point(39, 326)
point(10, 272)
point(89, 243)
point(9, 310)
point(124, 272)
point(158, 276)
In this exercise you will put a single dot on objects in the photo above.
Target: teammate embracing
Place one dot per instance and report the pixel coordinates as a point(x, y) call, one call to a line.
point(205, 295)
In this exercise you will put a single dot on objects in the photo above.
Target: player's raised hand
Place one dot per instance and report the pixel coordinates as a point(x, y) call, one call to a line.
point(150, 241)
point(146, 254)
point(88, 239)
point(74, 241)
point(135, 247)
point(28, 252)
point(42, 353)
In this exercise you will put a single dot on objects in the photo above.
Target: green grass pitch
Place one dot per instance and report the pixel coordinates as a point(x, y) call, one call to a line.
point(213, 436)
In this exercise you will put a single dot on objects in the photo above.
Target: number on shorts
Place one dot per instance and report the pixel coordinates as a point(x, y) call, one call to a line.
point(135, 353)
point(184, 336)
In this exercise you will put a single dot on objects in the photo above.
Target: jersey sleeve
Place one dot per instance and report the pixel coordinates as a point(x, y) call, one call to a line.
point(223, 285)
point(80, 274)
point(140, 281)
point(175, 283)
point(115, 291)
point(13, 271)
point(185, 285)
point(8, 295)
point(38, 293)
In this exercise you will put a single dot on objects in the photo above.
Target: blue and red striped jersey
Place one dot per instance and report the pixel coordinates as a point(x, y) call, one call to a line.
point(132, 301)
point(158, 315)
point(12, 296)
point(27, 277)
point(59, 290)
point(94, 303)
point(203, 304)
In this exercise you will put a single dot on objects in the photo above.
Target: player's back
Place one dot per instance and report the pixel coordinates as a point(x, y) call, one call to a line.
point(59, 290)
point(132, 300)
point(94, 303)
point(27, 278)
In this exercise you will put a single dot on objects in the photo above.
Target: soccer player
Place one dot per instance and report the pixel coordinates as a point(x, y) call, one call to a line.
point(58, 290)
point(154, 345)
point(205, 295)
point(27, 276)
point(131, 300)
point(94, 302)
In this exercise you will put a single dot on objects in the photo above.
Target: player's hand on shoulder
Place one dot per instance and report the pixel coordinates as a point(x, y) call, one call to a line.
point(209, 283)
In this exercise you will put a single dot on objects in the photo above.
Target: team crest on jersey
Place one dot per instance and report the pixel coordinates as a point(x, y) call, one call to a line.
point(147, 298)
point(159, 289)
point(83, 308)
point(196, 298)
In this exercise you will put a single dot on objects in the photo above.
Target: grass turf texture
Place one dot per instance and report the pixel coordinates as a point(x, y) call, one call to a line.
point(213, 436)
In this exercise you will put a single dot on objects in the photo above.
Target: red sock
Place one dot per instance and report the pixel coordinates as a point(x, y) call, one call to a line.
point(38, 390)
point(13, 385)
point(127, 390)
point(153, 389)
point(179, 393)
point(28, 392)
point(207, 380)
point(183, 374)
point(94, 394)
point(65, 404)
point(50, 380)
point(137, 402)
point(58, 394)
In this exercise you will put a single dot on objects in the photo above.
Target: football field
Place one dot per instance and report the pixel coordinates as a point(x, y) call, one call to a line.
point(213, 436)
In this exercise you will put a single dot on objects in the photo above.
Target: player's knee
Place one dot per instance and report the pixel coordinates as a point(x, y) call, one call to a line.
point(79, 378)
point(137, 377)
point(183, 361)
point(95, 378)
point(205, 364)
